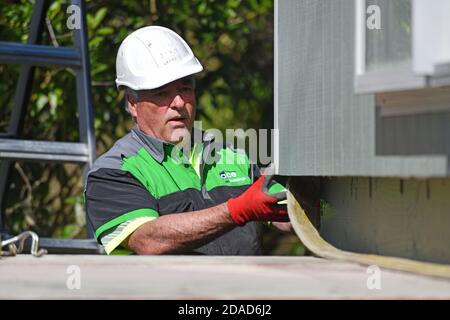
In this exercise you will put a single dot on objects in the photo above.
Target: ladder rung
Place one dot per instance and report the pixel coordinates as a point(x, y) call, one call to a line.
point(69, 246)
point(43, 150)
point(39, 55)
point(63, 246)
point(6, 135)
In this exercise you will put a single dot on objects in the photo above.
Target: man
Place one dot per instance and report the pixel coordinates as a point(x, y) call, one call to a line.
point(140, 199)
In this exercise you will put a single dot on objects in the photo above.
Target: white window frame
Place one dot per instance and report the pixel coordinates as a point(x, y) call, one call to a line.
point(431, 49)
point(399, 77)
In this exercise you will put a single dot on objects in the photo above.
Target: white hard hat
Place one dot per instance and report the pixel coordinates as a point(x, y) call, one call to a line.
point(153, 56)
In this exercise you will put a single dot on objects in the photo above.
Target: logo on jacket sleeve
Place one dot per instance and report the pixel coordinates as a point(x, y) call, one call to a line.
point(231, 176)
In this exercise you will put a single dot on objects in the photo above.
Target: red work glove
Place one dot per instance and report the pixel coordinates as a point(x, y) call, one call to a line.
point(257, 204)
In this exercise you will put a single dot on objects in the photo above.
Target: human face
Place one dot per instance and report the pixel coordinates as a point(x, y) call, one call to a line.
point(166, 113)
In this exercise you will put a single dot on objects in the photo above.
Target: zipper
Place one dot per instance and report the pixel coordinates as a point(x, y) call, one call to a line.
point(206, 148)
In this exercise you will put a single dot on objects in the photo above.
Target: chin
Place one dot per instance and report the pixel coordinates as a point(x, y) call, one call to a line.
point(178, 134)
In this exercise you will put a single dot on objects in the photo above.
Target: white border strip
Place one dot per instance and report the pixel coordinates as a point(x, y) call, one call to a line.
point(276, 139)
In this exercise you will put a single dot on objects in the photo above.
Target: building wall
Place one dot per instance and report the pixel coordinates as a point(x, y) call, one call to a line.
point(407, 218)
point(386, 171)
point(325, 128)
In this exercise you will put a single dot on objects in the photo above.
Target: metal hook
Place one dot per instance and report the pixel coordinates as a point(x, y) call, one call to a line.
point(13, 250)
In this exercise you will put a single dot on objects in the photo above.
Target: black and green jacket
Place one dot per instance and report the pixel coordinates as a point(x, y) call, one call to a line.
point(138, 180)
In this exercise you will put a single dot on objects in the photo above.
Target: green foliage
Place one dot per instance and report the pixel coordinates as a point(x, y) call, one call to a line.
point(326, 211)
point(233, 39)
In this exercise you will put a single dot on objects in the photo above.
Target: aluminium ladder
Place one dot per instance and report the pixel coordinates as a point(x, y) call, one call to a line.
point(13, 148)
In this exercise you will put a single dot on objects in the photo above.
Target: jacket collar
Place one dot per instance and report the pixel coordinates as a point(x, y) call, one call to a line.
point(156, 147)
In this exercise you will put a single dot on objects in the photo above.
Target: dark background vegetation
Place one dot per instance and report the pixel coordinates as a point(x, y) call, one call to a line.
point(234, 41)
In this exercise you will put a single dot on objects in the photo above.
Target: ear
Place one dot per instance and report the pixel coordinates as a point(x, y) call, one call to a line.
point(132, 105)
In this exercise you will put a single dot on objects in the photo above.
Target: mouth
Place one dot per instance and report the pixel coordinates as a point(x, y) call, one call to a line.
point(178, 120)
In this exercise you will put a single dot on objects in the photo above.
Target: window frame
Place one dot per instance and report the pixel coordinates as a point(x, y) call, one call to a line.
point(400, 77)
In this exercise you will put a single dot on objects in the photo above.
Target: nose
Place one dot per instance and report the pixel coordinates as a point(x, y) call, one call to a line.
point(177, 102)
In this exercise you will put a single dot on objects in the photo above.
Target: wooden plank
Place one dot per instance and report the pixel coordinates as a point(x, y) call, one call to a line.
point(196, 277)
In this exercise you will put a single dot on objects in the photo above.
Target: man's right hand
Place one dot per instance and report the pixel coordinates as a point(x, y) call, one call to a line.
point(257, 204)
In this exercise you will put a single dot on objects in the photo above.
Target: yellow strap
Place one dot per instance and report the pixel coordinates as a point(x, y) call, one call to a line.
point(312, 240)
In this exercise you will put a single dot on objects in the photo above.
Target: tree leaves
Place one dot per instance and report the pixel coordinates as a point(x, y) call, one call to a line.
point(233, 39)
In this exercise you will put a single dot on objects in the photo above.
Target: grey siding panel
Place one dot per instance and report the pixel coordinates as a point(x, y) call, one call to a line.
point(413, 134)
point(324, 128)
